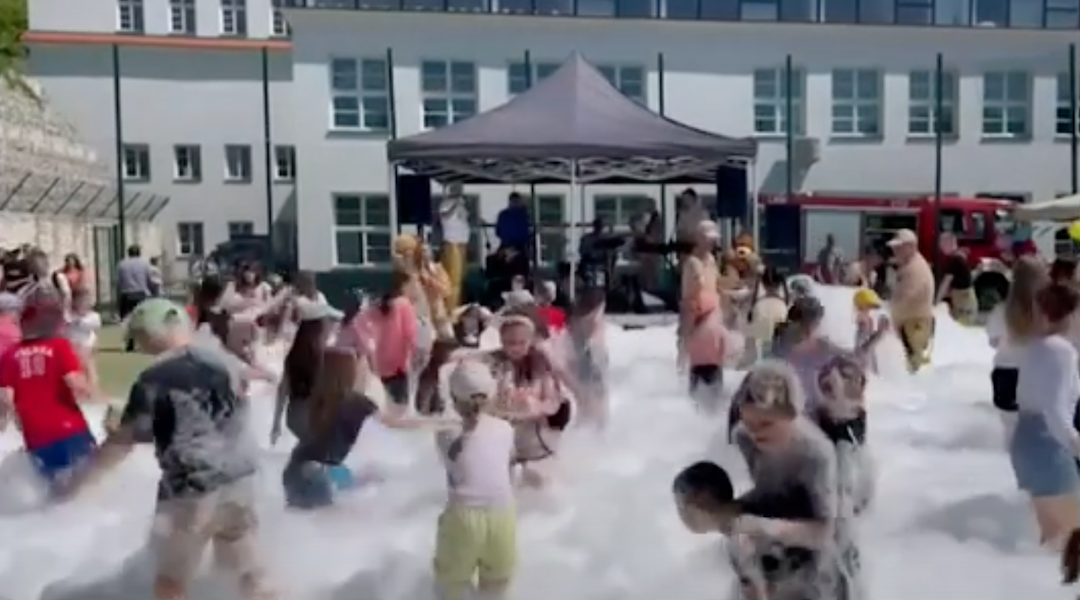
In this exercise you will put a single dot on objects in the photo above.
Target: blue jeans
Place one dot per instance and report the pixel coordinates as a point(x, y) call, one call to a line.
point(60, 457)
point(310, 485)
point(1043, 467)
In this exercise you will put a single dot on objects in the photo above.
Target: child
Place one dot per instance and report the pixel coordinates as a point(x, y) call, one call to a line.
point(40, 379)
point(554, 317)
point(868, 331)
point(82, 329)
point(768, 311)
point(469, 323)
point(336, 414)
point(476, 539)
point(394, 332)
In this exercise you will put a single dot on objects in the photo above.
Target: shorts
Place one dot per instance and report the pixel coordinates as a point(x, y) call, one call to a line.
point(706, 383)
point(59, 458)
point(397, 389)
point(1004, 381)
point(307, 485)
point(225, 517)
point(475, 541)
point(1043, 467)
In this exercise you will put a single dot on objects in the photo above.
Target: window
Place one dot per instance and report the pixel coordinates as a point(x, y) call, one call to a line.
point(182, 16)
point(241, 229)
point(474, 252)
point(361, 229)
point(136, 162)
point(284, 163)
point(238, 163)
point(278, 26)
point(360, 94)
point(551, 227)
point(618, 211)
point(922, 103)
point(771, 101)
point(1063, 118)
point(1006, 104)
point(189, 239)
point(129, 16)
point(630, 80)
point(517, 76)
point(234, 17)
point(187, 163)
point(856, 102)
point(449, 92)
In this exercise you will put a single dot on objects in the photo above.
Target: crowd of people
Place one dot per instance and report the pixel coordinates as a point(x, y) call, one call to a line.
point(499, 412)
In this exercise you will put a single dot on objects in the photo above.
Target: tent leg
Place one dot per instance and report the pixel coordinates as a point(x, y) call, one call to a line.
point(755, 211)
point(575, 203)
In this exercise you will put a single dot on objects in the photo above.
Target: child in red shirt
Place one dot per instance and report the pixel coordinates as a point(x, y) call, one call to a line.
point(553, 316)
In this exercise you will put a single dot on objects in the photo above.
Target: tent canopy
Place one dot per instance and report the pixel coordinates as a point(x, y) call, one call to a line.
point(573, 117)
point(1061, 209)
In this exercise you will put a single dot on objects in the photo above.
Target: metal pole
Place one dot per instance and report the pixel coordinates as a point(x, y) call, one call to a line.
point(534, 203)
point(392, 131)
point(789, 128)
point(268, 163)
point(1074, 136)
point(574, 237)
point(661, 107)
point(939, 138)
point(118, 134)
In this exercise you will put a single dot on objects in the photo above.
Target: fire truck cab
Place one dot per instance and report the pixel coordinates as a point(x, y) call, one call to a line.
point(794, 230)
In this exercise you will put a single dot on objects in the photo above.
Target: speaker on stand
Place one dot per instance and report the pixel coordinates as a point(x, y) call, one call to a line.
point(414, 202)
point(732, 200)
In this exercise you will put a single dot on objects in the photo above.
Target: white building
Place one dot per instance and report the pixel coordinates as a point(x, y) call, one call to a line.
point(348, 79)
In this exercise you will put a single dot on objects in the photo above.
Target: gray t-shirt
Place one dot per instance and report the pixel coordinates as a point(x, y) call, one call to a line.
point(135, 275)
point(187, 404)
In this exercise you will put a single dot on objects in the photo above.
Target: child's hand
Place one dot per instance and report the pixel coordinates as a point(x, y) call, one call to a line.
point(883, 323)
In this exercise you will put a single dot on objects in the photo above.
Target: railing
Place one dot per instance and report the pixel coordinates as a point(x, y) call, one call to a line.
point(28, 192)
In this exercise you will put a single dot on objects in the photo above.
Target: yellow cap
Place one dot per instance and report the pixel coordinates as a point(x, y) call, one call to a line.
point(866, 298)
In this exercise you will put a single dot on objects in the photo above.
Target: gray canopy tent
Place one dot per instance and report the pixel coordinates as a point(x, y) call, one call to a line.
point(572, 127)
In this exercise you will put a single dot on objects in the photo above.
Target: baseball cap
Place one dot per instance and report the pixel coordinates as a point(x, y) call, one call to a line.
point(310, 310)
point(472, 378)
point(902, 237)
point(156, 315)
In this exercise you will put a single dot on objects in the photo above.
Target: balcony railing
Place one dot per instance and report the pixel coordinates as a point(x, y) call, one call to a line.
point(1016, 14)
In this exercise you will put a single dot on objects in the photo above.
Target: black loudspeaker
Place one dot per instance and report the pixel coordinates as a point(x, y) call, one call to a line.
point(414, 204)
point(732, 193)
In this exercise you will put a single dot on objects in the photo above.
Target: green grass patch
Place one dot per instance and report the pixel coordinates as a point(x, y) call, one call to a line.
point(117, 369)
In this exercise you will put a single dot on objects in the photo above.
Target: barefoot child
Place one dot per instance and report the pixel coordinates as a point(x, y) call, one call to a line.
point(82, 329)
point(868, 330)
point(476, 540)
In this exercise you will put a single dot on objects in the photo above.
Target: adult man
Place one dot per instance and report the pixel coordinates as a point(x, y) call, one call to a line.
point(135, 281)
point(830, 262)
point(956, 284)
point(454, 219)
point(513, 226)
point(912, 299)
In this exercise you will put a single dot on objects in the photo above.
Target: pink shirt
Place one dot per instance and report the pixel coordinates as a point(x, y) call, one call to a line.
point(394, 334)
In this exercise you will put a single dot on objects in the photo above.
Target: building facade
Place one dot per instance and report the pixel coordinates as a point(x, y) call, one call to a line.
point(343, 80)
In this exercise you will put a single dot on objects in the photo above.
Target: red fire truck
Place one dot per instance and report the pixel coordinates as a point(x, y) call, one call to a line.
point(794, 230)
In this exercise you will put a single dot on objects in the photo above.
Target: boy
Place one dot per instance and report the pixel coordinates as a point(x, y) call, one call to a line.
point(187, 404)
point(477, 531)
point(868, 331)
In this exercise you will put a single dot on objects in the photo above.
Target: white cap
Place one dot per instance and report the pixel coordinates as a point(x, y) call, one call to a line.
point(902, 237)
point(310, 310)
point(708, 229)
point(472, 378)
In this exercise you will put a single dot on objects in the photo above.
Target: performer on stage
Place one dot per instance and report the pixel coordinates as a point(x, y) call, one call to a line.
point(454, 218)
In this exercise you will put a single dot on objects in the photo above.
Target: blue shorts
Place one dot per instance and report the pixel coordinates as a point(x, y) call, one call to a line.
point(60, 457)
point(1043, 467)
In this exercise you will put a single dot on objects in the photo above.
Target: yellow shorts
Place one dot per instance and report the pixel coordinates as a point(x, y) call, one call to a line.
point(476, 541)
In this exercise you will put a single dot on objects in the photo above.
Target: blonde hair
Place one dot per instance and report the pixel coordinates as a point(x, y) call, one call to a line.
point(1028, 277)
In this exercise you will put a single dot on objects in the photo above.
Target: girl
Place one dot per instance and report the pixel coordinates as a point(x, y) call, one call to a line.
point(701, 319)
point(394, 332)
point(553, 316)
point(1010, 326)
point(336, 413)
point(248, 290)
point(83, 325)
point(476, 539)
point(807, 549)
point(767, 312)
point(868, 331)
point(1045, 444)
point(301, 370)
point(588, 355)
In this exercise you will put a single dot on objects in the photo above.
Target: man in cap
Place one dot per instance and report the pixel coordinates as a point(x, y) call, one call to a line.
point(913, 299)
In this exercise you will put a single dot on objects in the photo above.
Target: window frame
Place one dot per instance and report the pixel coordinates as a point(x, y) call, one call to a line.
point(1063, 107)
point(1005, 105)
point(279, 27)
point(365, 99)
point(950, 104)
point(137, 155)
point(540, 71)
point(284, 155)
point(194, 160)
point(184, 12)
point(133, 11)
point(245, 163)
point(198, 243)
point(855, 103)
point(234, 12)
point(778, 102)
point(618, 72)
point(364, 229)
point(238, 229)
point(448, 96)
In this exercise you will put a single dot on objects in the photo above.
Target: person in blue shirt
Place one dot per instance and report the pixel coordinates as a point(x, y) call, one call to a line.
point(514, 226)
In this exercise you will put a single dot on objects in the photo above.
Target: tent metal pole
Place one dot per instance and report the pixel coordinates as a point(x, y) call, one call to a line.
point(755, 212)
point(575, 197)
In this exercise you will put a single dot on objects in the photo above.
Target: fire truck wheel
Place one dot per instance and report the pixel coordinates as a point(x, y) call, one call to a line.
point(990, 288)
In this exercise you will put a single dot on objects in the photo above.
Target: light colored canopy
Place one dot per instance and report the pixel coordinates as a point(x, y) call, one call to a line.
point(1059, 209)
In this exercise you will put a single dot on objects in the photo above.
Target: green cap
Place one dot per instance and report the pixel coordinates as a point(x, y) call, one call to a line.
point(155, 316)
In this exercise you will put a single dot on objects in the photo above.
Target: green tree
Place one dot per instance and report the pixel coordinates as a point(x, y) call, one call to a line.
point(13, 22)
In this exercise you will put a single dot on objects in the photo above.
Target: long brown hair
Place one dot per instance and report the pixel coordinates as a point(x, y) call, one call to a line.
point(303, 362)
point(399, 281)
point(1028, 277)
point(335, 384)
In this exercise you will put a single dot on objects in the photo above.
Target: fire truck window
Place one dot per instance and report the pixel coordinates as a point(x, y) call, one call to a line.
point(952, 221)
point(978, 226)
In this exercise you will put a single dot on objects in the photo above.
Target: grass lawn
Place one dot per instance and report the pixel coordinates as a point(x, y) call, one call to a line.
point(116, 368)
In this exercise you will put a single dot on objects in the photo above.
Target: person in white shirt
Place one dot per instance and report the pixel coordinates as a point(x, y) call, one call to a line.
point(82, 328)
point(1010, 325)
point(1045, 445)
point(454, 219)
point(476, 538)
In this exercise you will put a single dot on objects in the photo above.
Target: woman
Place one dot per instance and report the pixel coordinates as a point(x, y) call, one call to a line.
point(248, 290)
point(1010, 326)
point(73, 273)
point(701, 319)
point(301, 371)
point(1045, 444)
point(807, 549)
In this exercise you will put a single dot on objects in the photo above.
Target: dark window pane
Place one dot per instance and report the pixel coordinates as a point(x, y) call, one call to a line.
point(424, 4)
point(1061, 19)
point(839, 11)
point(682, 9)
point(596, 8)
point(720, 10)
point(636, 8)
point(952, 12)
point(876, 11)
point(554, 7)
point(914, 15)
point(755, 10)
point(468, 5)
point(798, 11)
point(991, 12)
point(516, 6)
point(1025, 13)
